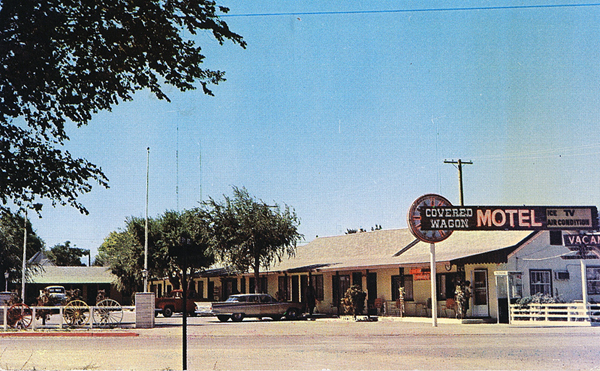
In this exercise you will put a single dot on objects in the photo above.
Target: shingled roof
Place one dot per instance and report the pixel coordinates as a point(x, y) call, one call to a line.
point(377, 249)
point(73, 275)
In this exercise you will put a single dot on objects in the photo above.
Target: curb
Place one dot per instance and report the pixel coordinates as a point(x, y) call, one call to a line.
point(68, 334)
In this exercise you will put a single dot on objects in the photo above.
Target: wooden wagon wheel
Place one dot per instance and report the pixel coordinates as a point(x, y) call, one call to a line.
point(19, 316)
point(108, 312)
point(76, 313)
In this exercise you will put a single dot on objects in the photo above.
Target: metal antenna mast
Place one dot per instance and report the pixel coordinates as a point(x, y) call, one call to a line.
point(177, 167)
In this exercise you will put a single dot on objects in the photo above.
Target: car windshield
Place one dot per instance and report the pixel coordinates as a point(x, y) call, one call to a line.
point(236, 299)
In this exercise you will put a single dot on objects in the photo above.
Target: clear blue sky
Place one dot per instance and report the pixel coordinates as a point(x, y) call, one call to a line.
point(346, 114)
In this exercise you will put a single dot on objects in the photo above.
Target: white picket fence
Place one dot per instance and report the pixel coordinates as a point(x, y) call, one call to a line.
point(557, 314)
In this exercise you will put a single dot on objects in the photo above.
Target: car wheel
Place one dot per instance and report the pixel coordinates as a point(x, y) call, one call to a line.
point(292, 313)
point(237, 317)
point(167, 312)
point(276, 318)
point(223, 318)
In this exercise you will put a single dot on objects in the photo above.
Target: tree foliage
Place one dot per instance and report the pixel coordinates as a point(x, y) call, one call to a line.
point(248, 233)
point(11, 245)
point(172, 237)
point(61, 61)
point(65, 255)
point(120, 251)
point(123, 252)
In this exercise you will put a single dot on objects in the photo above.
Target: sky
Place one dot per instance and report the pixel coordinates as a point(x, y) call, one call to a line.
point(346, 111)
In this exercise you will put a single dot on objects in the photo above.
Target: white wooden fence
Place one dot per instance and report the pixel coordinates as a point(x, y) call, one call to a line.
point(57, 317)
point(557, 314)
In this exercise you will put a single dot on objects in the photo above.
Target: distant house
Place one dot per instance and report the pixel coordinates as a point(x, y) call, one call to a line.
point(87, 279)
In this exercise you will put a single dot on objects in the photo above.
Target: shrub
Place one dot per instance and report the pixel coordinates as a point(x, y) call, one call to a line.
point(539, 298)
point(354, 300)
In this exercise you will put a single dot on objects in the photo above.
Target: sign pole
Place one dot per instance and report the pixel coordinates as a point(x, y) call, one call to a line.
point(584, 283)
point(433, 285)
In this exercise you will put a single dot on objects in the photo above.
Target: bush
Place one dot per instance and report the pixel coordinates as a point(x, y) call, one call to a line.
point(539, 298)
point(354, 300)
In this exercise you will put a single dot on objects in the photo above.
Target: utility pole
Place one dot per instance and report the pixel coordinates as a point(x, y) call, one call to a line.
point(459, 164)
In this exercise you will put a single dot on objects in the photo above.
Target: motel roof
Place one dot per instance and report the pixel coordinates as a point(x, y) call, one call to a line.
point(73, 275)
point(398, 247)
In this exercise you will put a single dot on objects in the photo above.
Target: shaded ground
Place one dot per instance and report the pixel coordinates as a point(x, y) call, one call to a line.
point(321, 344)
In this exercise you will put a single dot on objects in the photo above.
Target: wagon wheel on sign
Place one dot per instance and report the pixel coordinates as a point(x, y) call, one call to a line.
point(19, 316)
point(76, 313)
point(108, 312)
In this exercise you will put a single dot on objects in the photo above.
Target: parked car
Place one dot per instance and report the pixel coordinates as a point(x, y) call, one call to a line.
point(174, 304)
point(239, 306)
point(56, 294)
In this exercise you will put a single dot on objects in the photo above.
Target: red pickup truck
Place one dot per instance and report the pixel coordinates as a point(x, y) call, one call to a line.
point(174, 304)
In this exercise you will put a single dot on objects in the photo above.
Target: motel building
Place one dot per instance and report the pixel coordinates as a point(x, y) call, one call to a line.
point(500, 269)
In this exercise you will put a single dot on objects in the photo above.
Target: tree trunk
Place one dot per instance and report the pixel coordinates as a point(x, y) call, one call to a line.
point(256, 274)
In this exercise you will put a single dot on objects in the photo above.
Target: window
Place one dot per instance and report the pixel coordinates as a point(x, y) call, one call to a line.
point(540, 281)
point(283, 292)
point(341, 284)
point(200, 289)
point(357, 279)
point(446, 285)
point(262, 285)
point(556, 238)
point(317, 282)
point(406, 282)
point(593, 280)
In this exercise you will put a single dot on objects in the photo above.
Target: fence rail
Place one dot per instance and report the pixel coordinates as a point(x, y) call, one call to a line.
point(558, 312)
point(58, 311)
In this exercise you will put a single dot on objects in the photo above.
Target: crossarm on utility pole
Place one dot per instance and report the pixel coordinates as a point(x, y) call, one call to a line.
point(459, 164)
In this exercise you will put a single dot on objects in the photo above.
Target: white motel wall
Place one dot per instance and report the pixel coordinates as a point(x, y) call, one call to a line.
point(554, 270)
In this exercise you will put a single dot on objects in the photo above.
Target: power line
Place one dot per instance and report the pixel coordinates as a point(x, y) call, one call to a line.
point(418, 10)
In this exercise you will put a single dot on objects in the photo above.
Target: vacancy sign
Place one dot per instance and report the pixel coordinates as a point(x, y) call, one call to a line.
point(490, 218)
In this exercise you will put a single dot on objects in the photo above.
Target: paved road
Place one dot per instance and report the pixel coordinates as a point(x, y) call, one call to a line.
point(313, 345)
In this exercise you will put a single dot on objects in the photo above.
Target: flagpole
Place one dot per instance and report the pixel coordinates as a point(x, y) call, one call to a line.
point(145, 273)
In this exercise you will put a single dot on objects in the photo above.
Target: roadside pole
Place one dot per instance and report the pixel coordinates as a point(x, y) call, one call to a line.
point(24, 267)
point(584, 285)
point(433, 286)
point(184, 324)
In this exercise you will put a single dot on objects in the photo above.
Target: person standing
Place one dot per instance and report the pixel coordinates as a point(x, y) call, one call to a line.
point(310, 300)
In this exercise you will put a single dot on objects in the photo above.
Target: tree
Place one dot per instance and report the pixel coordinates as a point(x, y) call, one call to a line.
point(248, 233)
point(11, 245)
point(175, 240)
point(65, 255)
point(123, 252)
point(61, 61)
point(187, 239)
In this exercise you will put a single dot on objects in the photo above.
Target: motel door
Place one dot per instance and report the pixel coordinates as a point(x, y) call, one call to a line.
point(480, 293)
